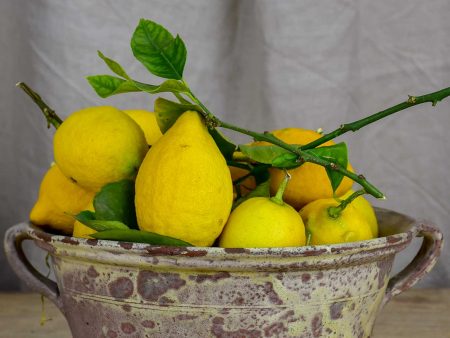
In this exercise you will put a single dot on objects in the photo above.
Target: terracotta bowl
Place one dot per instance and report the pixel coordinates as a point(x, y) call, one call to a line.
point(117, 289)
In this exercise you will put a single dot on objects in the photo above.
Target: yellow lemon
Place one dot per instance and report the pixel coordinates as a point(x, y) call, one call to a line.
point(366, 209)
point(147, 121)
point(309, 181)
point(60, 199)
point(98, 145)
point(262, 222)
point(79, 229)
point(349, 226)
point(183, 187)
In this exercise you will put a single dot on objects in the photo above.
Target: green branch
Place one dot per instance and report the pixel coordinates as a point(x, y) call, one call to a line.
point(433, 98)
point(305, 157)
point(50, 115)
point(212, 122)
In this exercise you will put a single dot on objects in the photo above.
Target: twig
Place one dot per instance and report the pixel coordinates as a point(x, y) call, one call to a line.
point(50, 115)
point(434, 98)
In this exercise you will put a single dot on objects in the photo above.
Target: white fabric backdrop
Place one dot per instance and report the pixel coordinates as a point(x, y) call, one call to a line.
point(260, 64)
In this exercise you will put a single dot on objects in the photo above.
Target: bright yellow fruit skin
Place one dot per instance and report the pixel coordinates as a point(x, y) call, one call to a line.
point(309, 182)
point(59, 200)
point(79, 229)
point(183, 187)
point(260, 222)
point(366, 209)
point(99, 145)
point(349, 226)
point(147, 121)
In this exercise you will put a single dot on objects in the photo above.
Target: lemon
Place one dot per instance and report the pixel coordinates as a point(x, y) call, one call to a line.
point(349, 226)
point(59, 200)
point(79, 229)
point(98, 145)
point(366, 209)
point(147, 121)
point(183, 187)
point(309, 181)
point(264, 222)
point(260, 222)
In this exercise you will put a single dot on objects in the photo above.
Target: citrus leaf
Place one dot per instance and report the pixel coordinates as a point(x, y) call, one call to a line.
point(85, 216)
point(103, 225)
point(264, 154)
point(161, 53)
point(261, 190)
point(167, 112)
point(108, 85)
point(261, 173)
point(286, 161)
point(226, 147)
point(115, 202)
point(337, 154)
point(171, 86)
point(114, 66)
point(137, 236)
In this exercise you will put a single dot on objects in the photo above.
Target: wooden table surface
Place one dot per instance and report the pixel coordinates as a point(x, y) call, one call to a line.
point(417, 313)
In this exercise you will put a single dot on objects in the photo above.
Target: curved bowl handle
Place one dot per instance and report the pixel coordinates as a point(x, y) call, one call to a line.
point(422, 263)
point(14, 237)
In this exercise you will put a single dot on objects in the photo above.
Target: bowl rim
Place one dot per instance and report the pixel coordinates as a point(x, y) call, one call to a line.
point(391, 243)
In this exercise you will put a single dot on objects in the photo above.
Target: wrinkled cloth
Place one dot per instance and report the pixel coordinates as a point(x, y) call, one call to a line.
point(260, 64)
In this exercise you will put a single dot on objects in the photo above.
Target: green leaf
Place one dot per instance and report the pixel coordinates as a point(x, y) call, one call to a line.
point(137, 236)
point(115, 202)
point(170, 86)
point(261, 173)
point(261, 190)
point(337, 154)
point(114, 66)
point(286, 161)
point(103, 225)
point(226, 147)
point(161, 53)
point(85, 216)
point(108, 85)
point(167, 112)
point(263, 154)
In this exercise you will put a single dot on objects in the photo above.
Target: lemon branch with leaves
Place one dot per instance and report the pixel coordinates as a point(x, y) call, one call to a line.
point(165, 56)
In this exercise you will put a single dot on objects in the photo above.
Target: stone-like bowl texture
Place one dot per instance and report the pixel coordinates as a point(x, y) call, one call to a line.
point(118, 289)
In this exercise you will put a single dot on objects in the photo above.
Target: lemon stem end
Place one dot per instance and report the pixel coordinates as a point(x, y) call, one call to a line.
point(278, 198)
point(335, 212)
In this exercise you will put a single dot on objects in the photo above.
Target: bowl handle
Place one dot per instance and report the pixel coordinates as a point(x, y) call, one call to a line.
point(422, 263)
point(14, 237)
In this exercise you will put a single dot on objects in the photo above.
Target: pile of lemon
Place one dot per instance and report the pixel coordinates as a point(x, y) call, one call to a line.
point(184, 187)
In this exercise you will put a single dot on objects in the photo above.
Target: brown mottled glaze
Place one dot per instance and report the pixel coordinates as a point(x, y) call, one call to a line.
point(111, 289)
